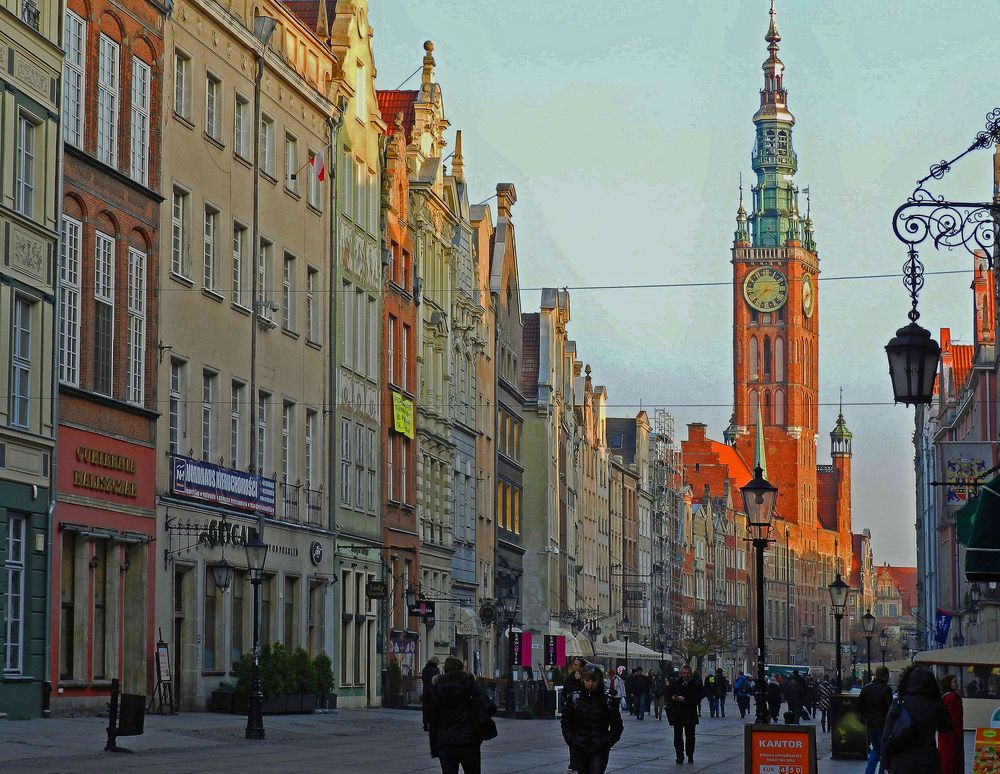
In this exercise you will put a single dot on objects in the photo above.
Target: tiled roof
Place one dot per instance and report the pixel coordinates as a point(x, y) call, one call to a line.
point(529, 355)
point(392, 102)
point(961, 365)
point(826, 500)
point(739, 472)
point(308, 11)
point(905, 579)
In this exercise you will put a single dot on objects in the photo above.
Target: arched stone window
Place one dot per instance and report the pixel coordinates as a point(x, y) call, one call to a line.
point(779, 359)
point(754, 359)
point(767, 359)
point(753, 406)
point(767, 408)
point(779, 407)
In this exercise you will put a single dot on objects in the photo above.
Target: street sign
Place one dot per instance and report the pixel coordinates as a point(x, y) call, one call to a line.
point(376, 589)
point(422, 609)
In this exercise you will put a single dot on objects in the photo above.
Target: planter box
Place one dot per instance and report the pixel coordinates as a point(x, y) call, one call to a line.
point(222, 701)
point(286, 704)
point(394, 701)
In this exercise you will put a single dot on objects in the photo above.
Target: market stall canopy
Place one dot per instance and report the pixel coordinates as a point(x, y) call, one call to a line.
point(985, 654)
point(616, 649)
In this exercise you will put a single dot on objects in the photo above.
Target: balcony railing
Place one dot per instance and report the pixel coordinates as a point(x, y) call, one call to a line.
point(314, 506)
point(30, 14)
point(290, 500)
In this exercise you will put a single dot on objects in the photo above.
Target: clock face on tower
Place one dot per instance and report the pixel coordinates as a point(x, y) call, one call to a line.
point(765, 289)
point(808, 297)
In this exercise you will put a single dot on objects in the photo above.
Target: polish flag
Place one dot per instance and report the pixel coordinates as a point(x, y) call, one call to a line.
point(318, 165)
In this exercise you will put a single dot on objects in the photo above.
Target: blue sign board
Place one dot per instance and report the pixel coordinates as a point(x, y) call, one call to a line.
point(214, 484)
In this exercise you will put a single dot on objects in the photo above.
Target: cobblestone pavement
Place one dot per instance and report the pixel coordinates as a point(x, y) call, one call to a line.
point(376, 741)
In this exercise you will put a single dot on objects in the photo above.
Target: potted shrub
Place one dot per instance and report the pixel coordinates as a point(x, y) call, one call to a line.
point(223, 698)
point(394, 685)
point(302, 678)
point(324, 681)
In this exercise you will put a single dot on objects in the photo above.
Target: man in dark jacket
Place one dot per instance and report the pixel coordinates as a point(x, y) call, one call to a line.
point(591, 723)
point(427, 675)
point(795, 694)
point(876, 698)
point(773, 693)
point(640, 692)
point(455, 702)
point(684, 694)
point(721, 689)
point(914, 749)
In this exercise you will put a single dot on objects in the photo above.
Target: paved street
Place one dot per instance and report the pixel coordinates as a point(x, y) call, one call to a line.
point(383, 741)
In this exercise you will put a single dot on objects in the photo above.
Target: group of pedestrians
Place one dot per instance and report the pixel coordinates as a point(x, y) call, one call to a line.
point(920, 730)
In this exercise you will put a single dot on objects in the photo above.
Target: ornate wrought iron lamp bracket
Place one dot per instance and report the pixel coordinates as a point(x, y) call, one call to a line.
point(970, 225)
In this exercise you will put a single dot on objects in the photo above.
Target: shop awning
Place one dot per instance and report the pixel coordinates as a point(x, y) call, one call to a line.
point(616, 649)
point(985, 654)
point(468, 623)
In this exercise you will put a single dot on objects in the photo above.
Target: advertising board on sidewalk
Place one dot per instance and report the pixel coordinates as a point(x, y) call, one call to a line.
point(780, 749)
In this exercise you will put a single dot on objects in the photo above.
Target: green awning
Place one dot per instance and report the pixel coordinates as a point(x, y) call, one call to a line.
point(983, 507)
point(979, 524)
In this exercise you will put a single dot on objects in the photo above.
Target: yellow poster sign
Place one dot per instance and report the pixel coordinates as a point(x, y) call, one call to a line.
point(402, 413)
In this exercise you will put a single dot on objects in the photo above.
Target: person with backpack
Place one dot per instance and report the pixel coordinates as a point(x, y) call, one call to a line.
point(873, 705)
point(710, 694)
point(721, 689)
point(591, 724)
point(908, 739)
point(458, 711)
point(743, 690)
point(951, 744)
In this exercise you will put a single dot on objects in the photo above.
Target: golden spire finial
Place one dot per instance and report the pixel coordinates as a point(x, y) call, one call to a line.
point(428, 74)
point(773, 36)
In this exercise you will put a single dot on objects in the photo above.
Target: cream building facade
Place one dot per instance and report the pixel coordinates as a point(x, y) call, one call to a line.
point(243, 335)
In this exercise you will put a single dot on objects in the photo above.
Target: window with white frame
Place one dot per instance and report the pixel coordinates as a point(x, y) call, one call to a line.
point(361, 203)
point(267, 145)
point(209, 382)
point(235, 424)
point(373, 197)
point(291, 164)
point(107, 101)
point(347, 302)
point(312, 310)
point(345, 461)
point(74, 78)
point(14, 564)
point(210, 231)
point(24, 180)
point(287, 442)
point(347, 183)
point(360, 329)
point(69, 302)
point(404, 357)
point(104, 312)
point(264, 269)
point(404, 455)
point(359, 466)
point(262, 456)
point(373, 342)
point(360, 92)
point(390, 469)
point(314, 186)
point(288, 292)
point(213, 107)
point(372, 461)
point(20, 365)
point(178, 232)
point(309, 442)
point(241, 125)
point(182, 84)
point(239, 250)
point(177, 411)
point(391, 349)
point(136, 365)
point(139, 168)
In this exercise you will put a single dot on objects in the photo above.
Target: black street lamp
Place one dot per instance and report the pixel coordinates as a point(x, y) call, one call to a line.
point(256, 551)
point(883, 643)
point(624, 632)
point(913, 354)
point(838, 599)
point(868, 622)
point(855, 650)
point(759, 497)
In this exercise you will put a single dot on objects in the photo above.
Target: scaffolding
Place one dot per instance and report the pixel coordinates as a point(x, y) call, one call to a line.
point(667, 559)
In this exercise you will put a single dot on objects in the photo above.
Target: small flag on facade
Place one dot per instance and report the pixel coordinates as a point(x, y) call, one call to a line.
point(318, 165)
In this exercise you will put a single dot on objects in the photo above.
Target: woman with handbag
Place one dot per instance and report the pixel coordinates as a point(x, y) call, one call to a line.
point(591, 723)
point(460, 719)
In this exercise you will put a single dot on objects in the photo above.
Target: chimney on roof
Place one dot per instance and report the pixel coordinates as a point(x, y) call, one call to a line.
point(428, 74)
point(457, 161)
point(696, 431)
point(506, 198)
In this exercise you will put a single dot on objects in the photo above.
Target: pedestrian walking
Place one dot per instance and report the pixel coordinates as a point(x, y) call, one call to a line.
point(457, 709)
point(640, 693)
point(658, 693)
point(591, 724)
point(873, 705)
point(721, 689)
point(951, 744)
point(773, 694)
point(908, 743)
point(630, 691)
point(685, 695)
point(713, 699)
point(742, 691)
point(824, 691)
point(794, 694)
point(574, 676)
point(811, 695)
point(701, 690)
point(427, 675)
point(617, 686)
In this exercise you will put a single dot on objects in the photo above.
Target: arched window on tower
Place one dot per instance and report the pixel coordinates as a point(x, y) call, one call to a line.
point(783, 141)
point(767, 408)
point(779, 359)
point(779, 407)
point(753, 406)
point(767, 359)
point(754, 359)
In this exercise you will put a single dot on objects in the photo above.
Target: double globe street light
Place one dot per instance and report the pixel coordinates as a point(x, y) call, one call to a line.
point(759, 498)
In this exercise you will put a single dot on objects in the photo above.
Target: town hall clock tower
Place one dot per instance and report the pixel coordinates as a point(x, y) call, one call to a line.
point(776, 307)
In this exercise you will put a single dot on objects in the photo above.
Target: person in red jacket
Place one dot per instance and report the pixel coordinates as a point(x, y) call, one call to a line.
point(951, 744)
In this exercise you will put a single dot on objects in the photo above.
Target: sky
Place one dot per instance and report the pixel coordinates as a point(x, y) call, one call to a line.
point(625, 127)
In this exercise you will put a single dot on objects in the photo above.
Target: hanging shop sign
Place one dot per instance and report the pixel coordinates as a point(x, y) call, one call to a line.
point(520, 648)
point(376, 589)
point(421, 609)
point(203, 481)
point(402, 415)
point(316, 553)
point(554, 648)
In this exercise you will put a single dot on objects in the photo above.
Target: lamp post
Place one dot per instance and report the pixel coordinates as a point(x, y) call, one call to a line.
point(868, 622)
point(855, 651)
point(838, 599)
point(256, 551)
point(624, 631)
point(507, 614)
point(883, 643)
point(913, 355)
point(759, 497)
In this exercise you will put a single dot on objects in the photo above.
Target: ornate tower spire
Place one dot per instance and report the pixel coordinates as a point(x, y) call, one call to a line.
point(809, 243)
point(759, 453)
point(840, 438)
point(742, 236)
